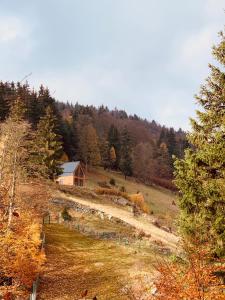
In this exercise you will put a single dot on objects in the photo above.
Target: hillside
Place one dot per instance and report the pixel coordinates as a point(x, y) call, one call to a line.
point(105, 249)
point(161, 202)
point(99, 136)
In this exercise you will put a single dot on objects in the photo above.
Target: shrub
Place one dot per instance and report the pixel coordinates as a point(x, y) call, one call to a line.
point(112, 181)
point(20, 255)
point(104, 184)
point(137, 199)
point(65, 215)
point(193, 278)
point(123, 189)
point(113, 192)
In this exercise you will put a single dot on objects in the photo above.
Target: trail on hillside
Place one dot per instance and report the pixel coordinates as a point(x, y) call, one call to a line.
point(158, 234)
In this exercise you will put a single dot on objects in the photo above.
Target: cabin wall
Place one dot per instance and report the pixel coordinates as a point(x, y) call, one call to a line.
point(66, 180)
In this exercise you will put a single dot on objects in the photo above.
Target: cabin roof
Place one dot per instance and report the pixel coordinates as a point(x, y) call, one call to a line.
point(69, 167)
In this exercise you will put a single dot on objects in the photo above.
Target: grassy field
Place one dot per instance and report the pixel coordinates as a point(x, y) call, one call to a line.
point(76, 263)
point(160, 201)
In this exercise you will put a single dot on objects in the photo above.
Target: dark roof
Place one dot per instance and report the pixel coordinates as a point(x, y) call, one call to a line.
point(69, 167)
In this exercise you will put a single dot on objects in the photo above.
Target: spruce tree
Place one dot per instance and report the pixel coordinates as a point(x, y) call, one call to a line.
point(48, 141)
point(200, 176)
point(104, 151)
point(126, 151)
point(17, 110)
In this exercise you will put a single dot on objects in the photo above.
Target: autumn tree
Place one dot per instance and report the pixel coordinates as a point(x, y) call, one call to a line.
point(114, 141)
point(200, 176)
point(112, 157)
point(164, 162)
point(89, 146)
point(48, 144)
point(14, 150)
point(194, 276)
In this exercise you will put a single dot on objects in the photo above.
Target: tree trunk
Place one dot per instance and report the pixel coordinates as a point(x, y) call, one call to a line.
point(12, 193)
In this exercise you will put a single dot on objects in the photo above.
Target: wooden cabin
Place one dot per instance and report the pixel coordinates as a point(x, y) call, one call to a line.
point(73, 174)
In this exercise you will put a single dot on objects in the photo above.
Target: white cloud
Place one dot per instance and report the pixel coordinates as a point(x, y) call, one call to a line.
point(90, 84)
point(12, 28)
point(195, 52)
point(215, 8)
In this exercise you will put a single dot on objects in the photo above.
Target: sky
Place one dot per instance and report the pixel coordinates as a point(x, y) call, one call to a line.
point(148, 57)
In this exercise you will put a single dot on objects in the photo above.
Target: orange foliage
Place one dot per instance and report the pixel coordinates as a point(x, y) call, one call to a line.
point(20, 255)
point(137, 199)
point(193, 278)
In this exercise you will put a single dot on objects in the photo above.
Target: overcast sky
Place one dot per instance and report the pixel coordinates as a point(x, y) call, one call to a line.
point(148, 57)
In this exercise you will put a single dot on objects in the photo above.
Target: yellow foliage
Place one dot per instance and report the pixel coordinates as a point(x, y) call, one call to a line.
point(20, 255)
point(137, 199)
point(64, 157)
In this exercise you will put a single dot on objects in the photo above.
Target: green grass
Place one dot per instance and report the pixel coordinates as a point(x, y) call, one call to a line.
point(76, 262)
point(159, 200)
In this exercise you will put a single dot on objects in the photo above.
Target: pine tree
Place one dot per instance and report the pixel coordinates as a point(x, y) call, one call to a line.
point(200, 176)
point(48, 141)
point(105, 156)
point(17, 110)
point(126, 151)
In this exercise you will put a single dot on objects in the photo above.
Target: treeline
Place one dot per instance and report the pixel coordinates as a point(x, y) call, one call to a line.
point(98, 136)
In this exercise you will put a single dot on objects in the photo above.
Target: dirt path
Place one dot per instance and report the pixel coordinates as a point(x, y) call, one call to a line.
point(168, 239)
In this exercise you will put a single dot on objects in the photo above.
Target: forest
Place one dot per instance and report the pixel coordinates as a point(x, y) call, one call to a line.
point(37, 134)
point(99, 136)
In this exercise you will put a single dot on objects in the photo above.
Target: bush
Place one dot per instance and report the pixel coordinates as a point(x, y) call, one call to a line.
point(65, 215)
point(104, 184)
point(137, 199)
point(112, 192)
point(123, 189)
point(191, 278)
point(112, 181)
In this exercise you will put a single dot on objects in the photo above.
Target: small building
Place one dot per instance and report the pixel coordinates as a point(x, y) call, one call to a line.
point(73, 174)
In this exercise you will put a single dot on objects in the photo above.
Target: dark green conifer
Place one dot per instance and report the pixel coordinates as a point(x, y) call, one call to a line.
point(49, 144)
point(200, 176)
point(126, 151)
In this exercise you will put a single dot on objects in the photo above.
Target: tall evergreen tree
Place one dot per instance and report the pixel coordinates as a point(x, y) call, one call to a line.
point(200, 176)
point(4, 104)
point(104, 150)
point(48, 141)
point(171, 142)
point(17, 110)
point(126, 151)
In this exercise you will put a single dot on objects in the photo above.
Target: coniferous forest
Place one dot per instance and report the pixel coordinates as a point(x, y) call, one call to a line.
point(99, 136)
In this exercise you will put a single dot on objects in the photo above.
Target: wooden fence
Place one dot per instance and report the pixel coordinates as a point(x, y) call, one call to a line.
point(33, 295)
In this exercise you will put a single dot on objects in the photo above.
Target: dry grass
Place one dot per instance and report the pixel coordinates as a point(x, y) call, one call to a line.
point(137, 199)
point(161, 202)
point(76, 263)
